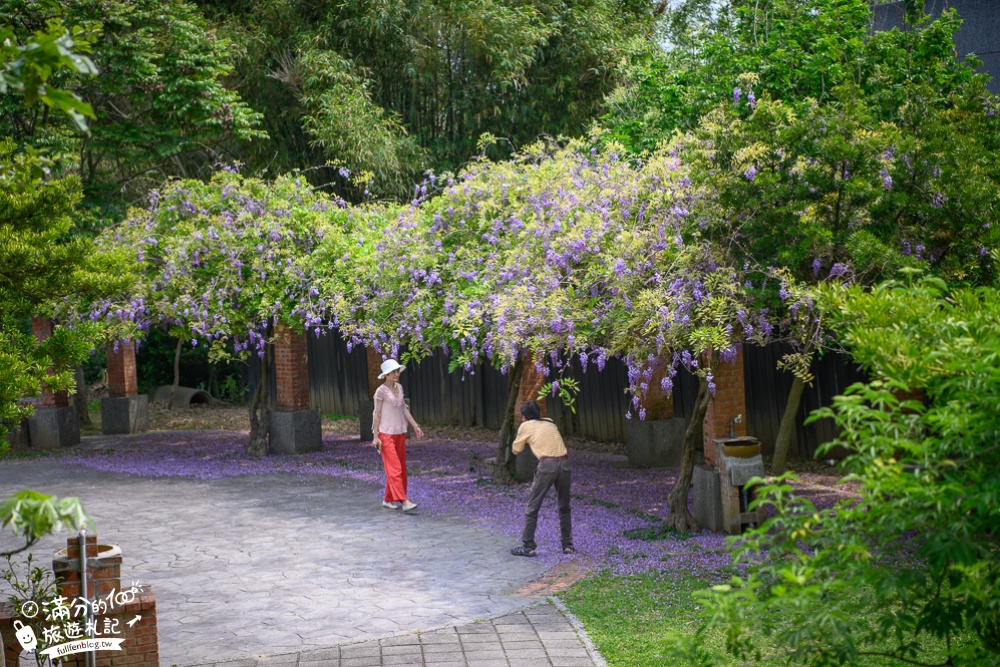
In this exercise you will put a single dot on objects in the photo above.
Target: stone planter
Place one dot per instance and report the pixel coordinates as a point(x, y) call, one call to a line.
point(655, 443)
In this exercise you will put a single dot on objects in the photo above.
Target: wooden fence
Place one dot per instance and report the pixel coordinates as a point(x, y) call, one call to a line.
point(338, 384)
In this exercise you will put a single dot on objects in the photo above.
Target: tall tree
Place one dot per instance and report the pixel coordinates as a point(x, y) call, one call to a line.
point(421, 80)
point(42, 268)
point(162, 104)
point(833, 152)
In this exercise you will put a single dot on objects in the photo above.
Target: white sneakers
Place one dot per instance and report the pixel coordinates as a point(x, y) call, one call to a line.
point(407, 505)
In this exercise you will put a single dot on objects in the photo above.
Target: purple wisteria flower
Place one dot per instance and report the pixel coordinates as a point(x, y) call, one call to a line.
point(736, 95)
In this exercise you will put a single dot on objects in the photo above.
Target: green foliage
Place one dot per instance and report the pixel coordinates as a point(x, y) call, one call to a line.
point(162, 106)
point(362, 84)
point(348, 125)
point(565, 388)
point(36, 585)
point(28, 62)
point(33, 515)
point(823, 145)
point(45, 272)
point(915, 561)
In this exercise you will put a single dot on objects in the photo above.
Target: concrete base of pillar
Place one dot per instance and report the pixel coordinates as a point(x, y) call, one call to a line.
point(707, 498)
point(525, 465)
point(124, 415)
point(51, 428)
point(655, 443)
point(295, 432)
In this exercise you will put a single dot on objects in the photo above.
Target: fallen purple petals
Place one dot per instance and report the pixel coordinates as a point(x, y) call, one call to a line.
point(448, 477)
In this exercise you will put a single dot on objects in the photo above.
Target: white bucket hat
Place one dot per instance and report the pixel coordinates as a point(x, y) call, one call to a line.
point(390, 365)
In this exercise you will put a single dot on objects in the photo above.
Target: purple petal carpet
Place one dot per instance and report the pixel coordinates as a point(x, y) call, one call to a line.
point(611, 501)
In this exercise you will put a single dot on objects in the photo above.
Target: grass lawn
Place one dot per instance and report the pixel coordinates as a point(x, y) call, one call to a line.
point(629, 618)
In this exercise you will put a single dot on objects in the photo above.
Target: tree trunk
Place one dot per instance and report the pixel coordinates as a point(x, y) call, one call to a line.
point(260, 407)
point(80, 398)
point(177, 374)
point(784, 439)
point(678, 515)
point(213, 381)
point(503, 471)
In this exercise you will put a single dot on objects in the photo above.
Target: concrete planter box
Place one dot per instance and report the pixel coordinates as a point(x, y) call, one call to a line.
point(525, 465)
point(295, 432)
point(129, 414)
point(52, 428)
point(655, 443)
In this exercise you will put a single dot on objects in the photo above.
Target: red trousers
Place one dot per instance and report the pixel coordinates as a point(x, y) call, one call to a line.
point(394, 461)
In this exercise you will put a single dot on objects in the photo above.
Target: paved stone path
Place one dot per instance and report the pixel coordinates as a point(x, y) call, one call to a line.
point(536, 637)
point(295, 566)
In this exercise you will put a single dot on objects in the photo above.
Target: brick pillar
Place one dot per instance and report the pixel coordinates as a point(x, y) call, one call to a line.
point(374, 368)
point(42, 328)
point(655, 401)
point(291, 370)
point(658, 440)
point(730, 401)
point(531, 382)
point(294, 427)
point(124, 410)
point(55, 422)
point(122, 380)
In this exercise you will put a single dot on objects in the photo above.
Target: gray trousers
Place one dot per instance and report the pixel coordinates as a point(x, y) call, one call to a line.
point(549, 473)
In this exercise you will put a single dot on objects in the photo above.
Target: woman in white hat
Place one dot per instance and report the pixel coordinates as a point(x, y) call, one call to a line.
point(389, 426)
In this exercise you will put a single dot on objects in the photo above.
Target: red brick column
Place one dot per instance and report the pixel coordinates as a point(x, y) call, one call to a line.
point(41, 327)
point(729, 402)
point(291, 370)
point(917, 395)
point(122, 381)
point(531, 382)
point(374, 369)
point(655, 401)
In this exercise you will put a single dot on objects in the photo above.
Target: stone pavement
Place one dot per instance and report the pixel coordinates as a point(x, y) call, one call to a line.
point(536, 637)
point(295, 565)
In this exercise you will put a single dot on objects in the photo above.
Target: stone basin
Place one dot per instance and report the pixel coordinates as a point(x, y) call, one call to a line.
point(743, 447)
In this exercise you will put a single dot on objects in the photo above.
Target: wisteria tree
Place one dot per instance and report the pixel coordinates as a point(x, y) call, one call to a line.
point(561, 252)
point(223, 264)
point(872, 153)
point(497, 264)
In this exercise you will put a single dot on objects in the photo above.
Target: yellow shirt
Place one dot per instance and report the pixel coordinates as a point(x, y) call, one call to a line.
point(543, 437)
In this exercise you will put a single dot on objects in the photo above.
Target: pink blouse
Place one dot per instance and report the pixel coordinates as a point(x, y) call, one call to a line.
point(390, 408)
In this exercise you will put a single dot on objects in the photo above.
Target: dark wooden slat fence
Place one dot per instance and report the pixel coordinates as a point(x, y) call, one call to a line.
point(338, 384)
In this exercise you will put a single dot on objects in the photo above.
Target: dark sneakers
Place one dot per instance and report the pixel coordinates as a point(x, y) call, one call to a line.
point(522, 551)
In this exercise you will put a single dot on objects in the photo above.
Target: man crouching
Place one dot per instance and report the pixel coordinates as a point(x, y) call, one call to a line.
point(543, 437)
